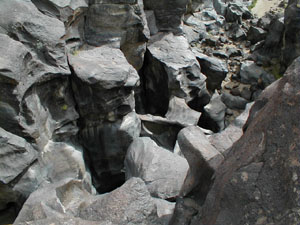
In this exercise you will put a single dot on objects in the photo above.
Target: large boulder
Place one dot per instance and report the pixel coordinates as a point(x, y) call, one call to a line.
point(163, 171)
point(292, 32)
point(258, 181)
point(171, 69)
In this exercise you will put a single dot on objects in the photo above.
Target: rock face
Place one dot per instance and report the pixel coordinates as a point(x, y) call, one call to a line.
point(103, 87)
point(163, 171)
point(119, 23)
point(258, 181)
point(171, 69)
point(292, 32)
point(168, 14)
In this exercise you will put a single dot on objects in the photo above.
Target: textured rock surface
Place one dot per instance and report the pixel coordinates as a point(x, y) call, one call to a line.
point(214, 69)
point(163, 171)
point(258, 181)
point(168, 14)
point(121, 24)
point(292, 32)
point(171, 69)
point(202, 157)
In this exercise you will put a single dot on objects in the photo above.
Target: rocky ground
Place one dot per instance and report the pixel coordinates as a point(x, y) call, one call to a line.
point(149, 112)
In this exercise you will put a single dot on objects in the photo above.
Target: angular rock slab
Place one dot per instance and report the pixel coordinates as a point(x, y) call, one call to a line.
point(259, 180)
point(171, 69)
point(202, 157)
point(163, 171)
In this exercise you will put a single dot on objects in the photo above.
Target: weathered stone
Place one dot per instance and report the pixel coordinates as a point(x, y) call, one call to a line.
point(119, 23)
point(233, 102)
point(165, 210)
point(103, 86)
point(258, 181)
point(216, 110)
point(129, 204)
point(168, 14)
point(256, 34)
point(292, 32)
point(191, 35)
point(214, 68)
point(163, 171)
point(236, 11)
point(163, 131)
point(15, 157)
point(236, 32)
point(171, 69)
point(202, 157)
point(180, 112)
point(250, 73)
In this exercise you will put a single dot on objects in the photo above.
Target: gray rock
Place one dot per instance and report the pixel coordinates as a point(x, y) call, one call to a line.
point(260, 175)
point(224, 140)
point(168, 14)
point(180, 112)
point(202, 157)
point(119, 23)
point(129, 204)
point(236, 11)
point(233, 52)
point(103, 86)
point(216, 110)
point(256, 34)
point(191, 35)
point(220, 7)
point(292, 30)
point(275, 33)
point(194, 22)
point(236, 32)
point(163, 171)
point(251, 73)
point(16, 156)
point(171, 69)
point(151, 22)
point(233, 102)
point(163, 131)
point(214, 68)
point(63, 10)
point(165, 210)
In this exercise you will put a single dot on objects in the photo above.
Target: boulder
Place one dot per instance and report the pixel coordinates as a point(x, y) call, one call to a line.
point(256, 34)
point(233, 102)
point(250, 73)
point(121, 24)
point(180, 112)
point(236, 32)
point(165, 210)
point(216, 110)
point(171, 69)
point(168, 14)
point(129, 204)
point(214, 68)
point(258, 181)
point(190, 34)
point(202, 157)
point(224, 140)
point(237, 11)
point(163, 131)
point(162, 171)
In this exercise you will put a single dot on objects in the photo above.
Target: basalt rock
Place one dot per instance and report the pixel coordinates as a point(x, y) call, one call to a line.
point(292, 32)
point(103, 84)
point(162, 171)
point(258, 181)
point(171, 69)
point(121, 24)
